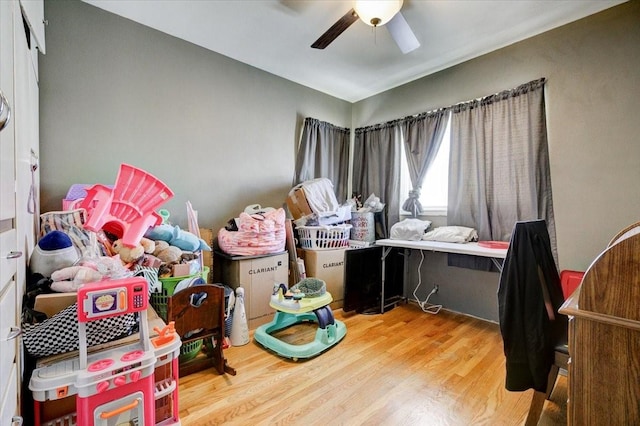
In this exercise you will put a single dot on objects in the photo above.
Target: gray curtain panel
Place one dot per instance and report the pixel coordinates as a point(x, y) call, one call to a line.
point(324, 152)
point(499, 164)
point(376, 166)
point(422, 136)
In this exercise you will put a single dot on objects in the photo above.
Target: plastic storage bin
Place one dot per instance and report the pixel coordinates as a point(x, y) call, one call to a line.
point(159, 302)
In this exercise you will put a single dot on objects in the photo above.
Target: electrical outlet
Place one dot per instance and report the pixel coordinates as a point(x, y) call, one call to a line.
point(436, 288)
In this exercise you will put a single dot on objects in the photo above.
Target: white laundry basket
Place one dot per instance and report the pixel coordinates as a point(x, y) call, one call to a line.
point(324, 237)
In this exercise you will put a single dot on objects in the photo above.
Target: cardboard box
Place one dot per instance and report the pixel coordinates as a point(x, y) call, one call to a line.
point(297, 204)
point(257, 275)
point(52, 303)
point(327, 265)
point(181, 270)
point(207, 256)
point(57, 408)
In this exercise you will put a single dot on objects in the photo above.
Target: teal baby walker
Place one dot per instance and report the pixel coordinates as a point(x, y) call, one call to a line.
point(307, 301)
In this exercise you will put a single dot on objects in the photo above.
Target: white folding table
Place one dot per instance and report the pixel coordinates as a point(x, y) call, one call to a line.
point(496, 255)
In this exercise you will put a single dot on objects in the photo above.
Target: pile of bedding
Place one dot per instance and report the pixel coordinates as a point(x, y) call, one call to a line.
point(418, 230)
point(452, 234)
point(256, 234)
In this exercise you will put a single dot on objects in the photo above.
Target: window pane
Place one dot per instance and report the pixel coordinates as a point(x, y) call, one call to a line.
point(433, 196)
point(435, 185)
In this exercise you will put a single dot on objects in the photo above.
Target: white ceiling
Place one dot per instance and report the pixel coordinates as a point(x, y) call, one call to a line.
point(276, 35)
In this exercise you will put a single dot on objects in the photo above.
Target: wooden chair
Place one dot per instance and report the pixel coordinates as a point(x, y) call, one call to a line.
point(561, 360)
point(206, 316)
point(569, 280)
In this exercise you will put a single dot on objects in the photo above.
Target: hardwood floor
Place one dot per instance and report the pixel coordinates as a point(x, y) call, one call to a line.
point(404, 367)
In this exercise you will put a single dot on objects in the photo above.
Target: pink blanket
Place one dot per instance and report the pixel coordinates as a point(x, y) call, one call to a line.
point(256, 235)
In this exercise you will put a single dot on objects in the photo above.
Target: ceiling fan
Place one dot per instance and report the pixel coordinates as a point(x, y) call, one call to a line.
point(374, 13)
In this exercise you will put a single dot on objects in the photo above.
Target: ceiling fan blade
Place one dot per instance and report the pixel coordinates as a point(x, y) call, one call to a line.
point(402, 34)
point(336, 29)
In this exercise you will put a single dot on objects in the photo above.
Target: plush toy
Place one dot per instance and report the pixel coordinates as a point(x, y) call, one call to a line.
point(133, 254)
point(108, 266)
point(88, 270)
point(177, 237)
point(160, 245)
point(148, 245)
point(170, 254)
point(70, 279)
point(54, 251)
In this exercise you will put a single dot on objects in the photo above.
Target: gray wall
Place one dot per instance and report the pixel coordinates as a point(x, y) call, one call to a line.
point(593, 99)
point(223, 135)
point(219, 133)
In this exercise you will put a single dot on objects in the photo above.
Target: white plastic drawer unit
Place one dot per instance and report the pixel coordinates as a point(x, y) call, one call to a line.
point(9, 399)
point(8, 260)
point(8, 324)
point(8, 334)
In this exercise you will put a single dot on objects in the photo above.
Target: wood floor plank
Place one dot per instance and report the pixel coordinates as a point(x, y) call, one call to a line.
point(403, 367)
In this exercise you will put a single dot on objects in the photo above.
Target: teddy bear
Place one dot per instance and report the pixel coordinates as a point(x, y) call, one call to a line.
point(166, 252)
point(170, 256)
point(133, 254)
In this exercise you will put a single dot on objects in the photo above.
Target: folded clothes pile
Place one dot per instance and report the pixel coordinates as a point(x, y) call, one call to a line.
point(314, 203)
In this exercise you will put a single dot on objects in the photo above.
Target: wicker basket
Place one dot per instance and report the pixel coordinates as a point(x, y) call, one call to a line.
point(159, 301)
point(324, 237)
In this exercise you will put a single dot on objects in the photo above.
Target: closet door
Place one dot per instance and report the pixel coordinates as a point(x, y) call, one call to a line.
point(9, 253)
point(19, 183)
point(7, 147)
point(34, 17)
point(27, 138)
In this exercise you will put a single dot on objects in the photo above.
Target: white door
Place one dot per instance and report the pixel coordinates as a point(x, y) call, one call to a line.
point(10, 256)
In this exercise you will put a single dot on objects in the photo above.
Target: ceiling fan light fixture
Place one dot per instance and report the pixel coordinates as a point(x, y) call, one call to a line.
point(377, 12)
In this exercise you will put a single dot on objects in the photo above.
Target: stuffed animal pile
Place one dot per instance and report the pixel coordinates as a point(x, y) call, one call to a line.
point(56, 257)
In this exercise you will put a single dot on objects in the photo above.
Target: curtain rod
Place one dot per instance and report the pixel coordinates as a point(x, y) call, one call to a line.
point(324, 123)
point(504, 94)
point(519, 90)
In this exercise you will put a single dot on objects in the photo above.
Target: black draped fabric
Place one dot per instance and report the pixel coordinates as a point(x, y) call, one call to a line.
point(529, 297)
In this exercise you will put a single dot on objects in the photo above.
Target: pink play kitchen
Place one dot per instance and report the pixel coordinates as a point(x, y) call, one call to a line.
point(114, 386)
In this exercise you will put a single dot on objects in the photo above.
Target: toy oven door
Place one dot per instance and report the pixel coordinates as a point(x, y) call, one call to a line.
point(125, 411)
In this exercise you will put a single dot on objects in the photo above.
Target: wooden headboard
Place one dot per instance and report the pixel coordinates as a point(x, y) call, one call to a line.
point(611, 285)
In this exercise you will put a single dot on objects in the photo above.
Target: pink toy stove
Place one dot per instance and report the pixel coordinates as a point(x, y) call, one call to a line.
point(114, 386)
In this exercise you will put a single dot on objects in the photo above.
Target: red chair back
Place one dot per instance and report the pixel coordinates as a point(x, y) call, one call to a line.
point(570, 280)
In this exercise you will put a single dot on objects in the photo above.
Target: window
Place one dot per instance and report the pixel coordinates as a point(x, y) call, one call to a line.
point(433, 195)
